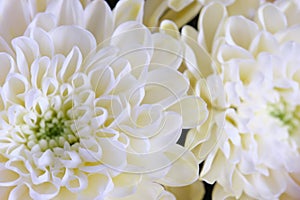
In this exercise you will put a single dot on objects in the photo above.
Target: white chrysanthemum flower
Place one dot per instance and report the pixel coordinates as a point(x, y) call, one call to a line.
point(256, 59)
point(91, 107)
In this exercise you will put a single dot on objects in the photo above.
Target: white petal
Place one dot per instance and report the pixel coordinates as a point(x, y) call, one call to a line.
point(112, 147)
point(197, 58)
point(147, 191)
point(170, 28)
point(7, 66)
point(39, 71)
point(183, 16)
point(268, 15)
point(168, 51)
point(27, 50)
point(44, 41)
point(18, 14)
point(192, 109)
point(45, 190)
point(289, 34)
point(127, 10)
point(195, 191)
point(99, 20)
point(67, 12)
point(178, 5)
point(240, 31)
point(246, 8)
point(181, 160)
point(15, 88)
point(66, 37)
point(20, 192)
point(71, 65)
point(98, 187)
point(8, 177)
point(211, 20)
point(125, 184)
point(164, 91)
point(102, 80)
point(45, 21)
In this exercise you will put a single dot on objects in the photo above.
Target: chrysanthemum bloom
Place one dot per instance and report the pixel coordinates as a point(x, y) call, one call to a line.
point(92, 107)
point(256, 58)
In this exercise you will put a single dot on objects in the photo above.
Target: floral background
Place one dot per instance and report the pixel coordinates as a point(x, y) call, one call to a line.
point(133, 99)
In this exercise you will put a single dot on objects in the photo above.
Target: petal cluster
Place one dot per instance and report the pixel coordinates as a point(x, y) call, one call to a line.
point(252, 150)
point(90, 109)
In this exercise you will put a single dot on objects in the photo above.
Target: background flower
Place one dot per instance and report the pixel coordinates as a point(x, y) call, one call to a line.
point(255, 58)
point(87, 110)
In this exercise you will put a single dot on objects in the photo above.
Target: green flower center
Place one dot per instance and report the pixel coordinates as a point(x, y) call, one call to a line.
point(53, 130)
point(287, 115)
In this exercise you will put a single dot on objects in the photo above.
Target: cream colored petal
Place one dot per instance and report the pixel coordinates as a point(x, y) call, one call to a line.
point(197, 58)
point(7, 66)
point(210, 24)
point(15, 88)
point(20, 192)
point(37, 6)
point(98, 187)
point(4, 46)
point(264, 42)
point(99, 20)
point(225, 2)
point(271, 18)
point(164, 91)
point(135, 43)
point(184, 15)
point(194, 191)
point(130, 36)
point(102, 80)
point(125, 184)
point(39, 71)
point(153, 11)
point(168, 51)
point(170, 28)
point(66, 37)
point(219, 193)
point(240, 31)
point(147, 191)
point(27, 50)
point(64, 193)
point(128, 10)
point(192, 109)
point(45, 190)
point(168, 133)
point(291, 11)
point(5, 192)
point(182, 161)
point(290, 34)
point(71, 65)
point(8, 177)
point(2, 105)
point(227, 53)
point(178, 5)
point(67, 12)
point(247, 8)
point(111, 146)
point(44, 41)
point(46, 21)
point(14, 18)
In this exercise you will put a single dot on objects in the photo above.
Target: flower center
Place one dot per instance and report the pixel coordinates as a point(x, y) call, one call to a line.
point(52, 130)
point(287, 115)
